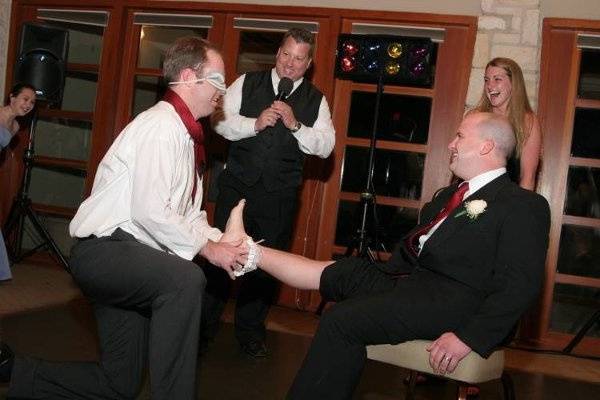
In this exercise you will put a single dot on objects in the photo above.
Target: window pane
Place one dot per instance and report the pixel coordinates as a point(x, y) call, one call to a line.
point(257, 50)
point(396, 173)
point(85, 42)
point(392, 223)
point(58, 228)
point(154, 40)
point(586, 137)
point(56, 188)
point(589, 75)
point(148, 91)
point(582, 192)
point(63, 138)
point(572, 307)
point(80, 91)
point(401, 118)
point(579, 252)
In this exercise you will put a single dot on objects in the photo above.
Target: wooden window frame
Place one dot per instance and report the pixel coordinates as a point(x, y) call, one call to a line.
point(558, 101)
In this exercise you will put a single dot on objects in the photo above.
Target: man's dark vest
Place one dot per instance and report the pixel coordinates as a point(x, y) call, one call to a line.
point(273, 153)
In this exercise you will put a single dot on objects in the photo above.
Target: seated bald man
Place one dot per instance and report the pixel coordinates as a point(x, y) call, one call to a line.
point(472, 271)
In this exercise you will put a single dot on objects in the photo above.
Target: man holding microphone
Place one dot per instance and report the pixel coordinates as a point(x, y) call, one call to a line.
point(273, 119)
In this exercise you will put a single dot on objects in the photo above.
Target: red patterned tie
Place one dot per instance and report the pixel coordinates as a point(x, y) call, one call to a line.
point(412, 242)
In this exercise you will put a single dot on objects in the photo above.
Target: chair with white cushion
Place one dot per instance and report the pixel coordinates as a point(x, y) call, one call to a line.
point(472, 370)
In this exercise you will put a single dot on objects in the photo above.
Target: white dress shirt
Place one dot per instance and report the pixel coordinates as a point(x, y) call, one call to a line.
point(317, 140)
point(475, 184)
point(143, 185)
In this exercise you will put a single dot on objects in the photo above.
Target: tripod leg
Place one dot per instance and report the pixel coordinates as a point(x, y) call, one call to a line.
point(46, 236)
point(586, 327)
point(12, 231)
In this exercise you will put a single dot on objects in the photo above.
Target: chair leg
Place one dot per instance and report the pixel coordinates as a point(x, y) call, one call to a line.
point(508, 387)
point(412, 381)
point(463, 390)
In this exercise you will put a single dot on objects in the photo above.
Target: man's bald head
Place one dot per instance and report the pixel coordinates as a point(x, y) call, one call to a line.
point(498, 129)
point(484, 142)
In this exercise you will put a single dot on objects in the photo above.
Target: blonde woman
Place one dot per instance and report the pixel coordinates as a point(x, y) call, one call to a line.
point(504, 93)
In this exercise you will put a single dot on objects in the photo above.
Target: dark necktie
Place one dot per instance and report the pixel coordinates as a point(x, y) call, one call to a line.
point(412, 242)
point(194, 130)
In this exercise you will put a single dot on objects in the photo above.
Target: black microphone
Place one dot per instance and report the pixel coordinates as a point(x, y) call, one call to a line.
point(284, 88)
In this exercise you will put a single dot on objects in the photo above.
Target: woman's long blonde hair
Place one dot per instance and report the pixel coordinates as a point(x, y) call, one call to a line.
point(519, 109)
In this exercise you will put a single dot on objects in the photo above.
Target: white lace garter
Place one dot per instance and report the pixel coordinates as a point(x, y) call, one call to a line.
point(253, 257)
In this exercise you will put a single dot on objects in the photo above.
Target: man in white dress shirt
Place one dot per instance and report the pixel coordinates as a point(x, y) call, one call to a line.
point(138, 231)
point(271, 134)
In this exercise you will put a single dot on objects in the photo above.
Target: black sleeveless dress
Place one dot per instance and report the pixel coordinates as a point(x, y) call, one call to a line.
point(513, 168)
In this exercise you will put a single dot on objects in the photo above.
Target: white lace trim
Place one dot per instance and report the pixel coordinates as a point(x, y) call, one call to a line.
point(253, 257)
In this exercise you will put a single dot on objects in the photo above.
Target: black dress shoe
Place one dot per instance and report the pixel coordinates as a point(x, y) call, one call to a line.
point(7, 358)
point(255, 348)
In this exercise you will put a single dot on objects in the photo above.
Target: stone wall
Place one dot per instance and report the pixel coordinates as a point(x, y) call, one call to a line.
point(507, 28)
point(4, 29)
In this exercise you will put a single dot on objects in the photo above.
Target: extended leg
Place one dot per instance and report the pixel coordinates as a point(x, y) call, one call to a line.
point(292, 269)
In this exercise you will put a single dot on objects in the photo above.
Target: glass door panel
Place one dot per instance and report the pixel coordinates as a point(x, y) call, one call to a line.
point(154, 40)
point(572, 307)
point(257, 50)
point(579, 251)
point(63, 138)
point(56, 187)
point(589, 75)
point(395, 174)
point(56, 226)
point(148, 90)
point(586, 135)
point(401, 118)
point(581, 196)
point(80, 91)
point(63, 133)
point(392, 223)
point(85, 42)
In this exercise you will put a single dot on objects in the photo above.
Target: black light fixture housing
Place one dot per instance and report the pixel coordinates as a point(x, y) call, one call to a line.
point(397, 59)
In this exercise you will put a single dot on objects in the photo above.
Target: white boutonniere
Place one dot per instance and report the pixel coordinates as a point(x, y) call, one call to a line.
point(473, 208)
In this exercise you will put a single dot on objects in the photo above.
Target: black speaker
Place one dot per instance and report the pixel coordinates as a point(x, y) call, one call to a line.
point(42, 60)
point(395, 59)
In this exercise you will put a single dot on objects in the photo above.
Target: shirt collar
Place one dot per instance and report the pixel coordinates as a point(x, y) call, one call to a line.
point(275, 79)
point(481, 180)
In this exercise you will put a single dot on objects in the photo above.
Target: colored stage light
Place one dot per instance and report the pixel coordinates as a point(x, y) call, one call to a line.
point(419, 51)
point(394, 50)
point(416, 70)
point(392, 59)
point(348, 64)
point(392, 68)
point(350, 48)
point(372, 66)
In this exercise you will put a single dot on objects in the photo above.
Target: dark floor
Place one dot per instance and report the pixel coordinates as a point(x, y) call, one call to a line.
point(67, 332)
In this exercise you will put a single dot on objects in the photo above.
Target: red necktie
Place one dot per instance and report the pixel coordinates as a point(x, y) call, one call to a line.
point(412, 242)
point(194, 129)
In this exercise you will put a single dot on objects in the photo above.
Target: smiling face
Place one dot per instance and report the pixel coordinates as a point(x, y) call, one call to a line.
point(466, 147)
point(207, 96)
point(22, 102)
point(293, 59)
point(498, 88)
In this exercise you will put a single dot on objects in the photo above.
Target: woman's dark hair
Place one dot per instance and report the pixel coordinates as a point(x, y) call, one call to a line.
point(17, 89)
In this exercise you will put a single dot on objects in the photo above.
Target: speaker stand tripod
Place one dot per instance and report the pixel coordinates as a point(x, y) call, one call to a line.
point(22, 209)
point(594, 319)
point(361, 240)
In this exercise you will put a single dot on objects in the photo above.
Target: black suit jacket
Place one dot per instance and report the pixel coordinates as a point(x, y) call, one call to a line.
point(500, 254)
